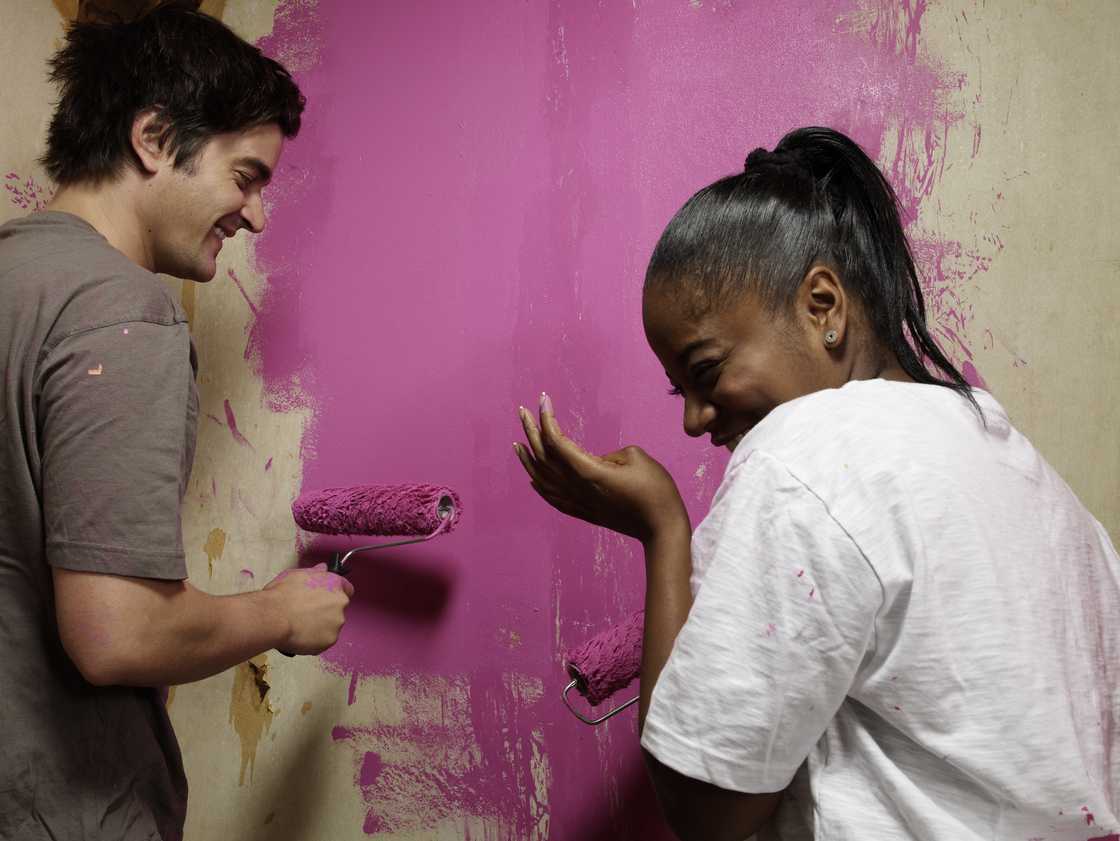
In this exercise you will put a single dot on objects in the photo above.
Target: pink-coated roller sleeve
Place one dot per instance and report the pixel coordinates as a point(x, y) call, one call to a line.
point(608, 661)
point(375, 509)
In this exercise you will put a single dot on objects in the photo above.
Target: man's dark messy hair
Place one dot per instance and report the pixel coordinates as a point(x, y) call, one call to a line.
point(190, 69)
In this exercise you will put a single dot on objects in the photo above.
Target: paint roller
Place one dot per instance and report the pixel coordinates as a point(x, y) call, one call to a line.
point(605, 664)
point(420, 511)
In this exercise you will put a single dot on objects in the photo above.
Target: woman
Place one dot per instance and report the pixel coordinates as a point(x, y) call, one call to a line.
point(892, 621)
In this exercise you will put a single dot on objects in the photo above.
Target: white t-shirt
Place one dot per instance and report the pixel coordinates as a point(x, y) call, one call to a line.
point(907, 615)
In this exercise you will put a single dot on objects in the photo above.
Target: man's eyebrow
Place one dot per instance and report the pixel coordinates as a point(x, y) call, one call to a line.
point(263, 172)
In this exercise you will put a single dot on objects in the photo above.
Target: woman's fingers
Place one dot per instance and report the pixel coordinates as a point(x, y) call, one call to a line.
point(526, 460)
point(581, 462)
point(532, 434)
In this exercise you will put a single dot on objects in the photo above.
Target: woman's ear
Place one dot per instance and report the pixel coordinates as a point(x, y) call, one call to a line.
point(821, 300)
point(149, 141)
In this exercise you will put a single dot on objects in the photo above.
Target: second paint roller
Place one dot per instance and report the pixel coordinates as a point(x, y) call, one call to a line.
point(605, 664)
point(419, 510)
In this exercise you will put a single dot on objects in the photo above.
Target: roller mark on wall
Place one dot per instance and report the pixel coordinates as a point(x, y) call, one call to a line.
point(250, 710)
point(421, 768)
point(214, 546)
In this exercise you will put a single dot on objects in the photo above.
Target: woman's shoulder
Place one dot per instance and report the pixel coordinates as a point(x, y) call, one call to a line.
point(876, 426)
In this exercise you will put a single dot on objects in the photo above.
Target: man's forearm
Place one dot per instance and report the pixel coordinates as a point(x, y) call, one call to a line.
point(137, 632)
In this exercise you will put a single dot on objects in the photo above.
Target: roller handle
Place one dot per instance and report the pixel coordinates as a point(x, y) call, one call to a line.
point(338, 565)
point(338, 568)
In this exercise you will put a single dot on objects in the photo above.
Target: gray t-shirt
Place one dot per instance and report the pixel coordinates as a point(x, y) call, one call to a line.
point(98, 415)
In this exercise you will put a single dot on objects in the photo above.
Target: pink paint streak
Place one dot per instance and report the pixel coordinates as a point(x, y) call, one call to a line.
point(236, 282)
point(371, 769)
point(268, 465)
point(511, 213)
point(231, 422)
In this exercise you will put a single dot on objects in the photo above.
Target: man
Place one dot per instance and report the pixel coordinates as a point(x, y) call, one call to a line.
point(166, 130)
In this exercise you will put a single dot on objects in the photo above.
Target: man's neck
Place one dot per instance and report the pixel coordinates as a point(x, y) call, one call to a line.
point(112, 211)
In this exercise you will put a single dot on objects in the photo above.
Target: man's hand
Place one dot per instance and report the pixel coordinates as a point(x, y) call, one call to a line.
point(313, 601)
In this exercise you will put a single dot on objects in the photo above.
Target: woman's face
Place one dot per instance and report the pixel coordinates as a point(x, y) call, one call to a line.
point(733, 365)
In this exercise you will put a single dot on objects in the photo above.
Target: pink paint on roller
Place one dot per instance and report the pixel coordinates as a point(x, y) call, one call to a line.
point(608, 661)
point(376, 509)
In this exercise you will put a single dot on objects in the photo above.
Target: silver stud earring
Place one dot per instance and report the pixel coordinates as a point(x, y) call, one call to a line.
point(831, 338)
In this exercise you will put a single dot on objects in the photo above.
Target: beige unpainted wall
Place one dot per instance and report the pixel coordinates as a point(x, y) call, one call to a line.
point(1043, 85)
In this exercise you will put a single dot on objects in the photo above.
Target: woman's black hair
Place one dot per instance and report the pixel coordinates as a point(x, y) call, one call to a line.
point(816, 198)
point(199, 76)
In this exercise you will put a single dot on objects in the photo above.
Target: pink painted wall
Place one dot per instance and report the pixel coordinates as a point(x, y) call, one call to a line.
point(465, 221)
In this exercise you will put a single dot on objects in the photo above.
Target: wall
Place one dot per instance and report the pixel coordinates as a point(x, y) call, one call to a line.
point(464, 222)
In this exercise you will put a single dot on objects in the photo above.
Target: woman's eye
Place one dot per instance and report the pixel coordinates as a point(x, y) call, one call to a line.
point(702, 374)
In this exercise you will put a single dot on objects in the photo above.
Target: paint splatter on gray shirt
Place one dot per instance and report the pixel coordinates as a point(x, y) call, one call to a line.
point(97, 429)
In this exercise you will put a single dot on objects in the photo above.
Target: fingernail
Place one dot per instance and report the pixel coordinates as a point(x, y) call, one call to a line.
point(546, 404)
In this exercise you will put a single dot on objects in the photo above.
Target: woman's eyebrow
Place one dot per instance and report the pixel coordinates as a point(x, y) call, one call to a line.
point(682, 357)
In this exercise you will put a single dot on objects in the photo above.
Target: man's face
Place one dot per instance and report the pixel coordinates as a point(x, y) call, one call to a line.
point(199, 206)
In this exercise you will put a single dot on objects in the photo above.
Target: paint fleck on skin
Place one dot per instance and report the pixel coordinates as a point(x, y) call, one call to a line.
point(214, 546)
point(250, 711)
point(231, 422)
point(306, 708)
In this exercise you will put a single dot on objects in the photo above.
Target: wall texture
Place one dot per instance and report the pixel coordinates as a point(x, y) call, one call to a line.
point(464, 222)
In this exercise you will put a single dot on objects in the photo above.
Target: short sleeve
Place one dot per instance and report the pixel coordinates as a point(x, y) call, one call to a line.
point(114, 413)
point(783, 613)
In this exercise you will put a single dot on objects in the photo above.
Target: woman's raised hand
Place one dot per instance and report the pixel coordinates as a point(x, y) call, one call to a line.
point(625, 491)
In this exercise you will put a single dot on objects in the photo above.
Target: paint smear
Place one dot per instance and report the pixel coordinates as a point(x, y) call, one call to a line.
point(231, 422)
point(214, 546)
point(371, 768)
point(509, 261)
point(236, 282)
point(250, 711)
point(26, 193)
